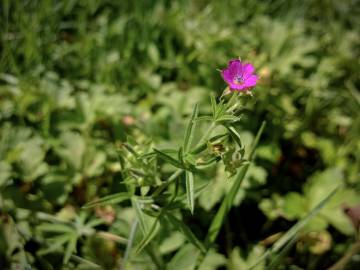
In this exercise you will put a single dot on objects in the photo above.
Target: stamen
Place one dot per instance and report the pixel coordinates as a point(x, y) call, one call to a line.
point(238, 79)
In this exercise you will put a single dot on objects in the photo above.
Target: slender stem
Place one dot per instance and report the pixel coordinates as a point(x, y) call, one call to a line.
point(225, 92)
point(211, 128)
point(231, 107)
point(206, 134)
point(226, 204)
point(129, 245)
point(171, 179)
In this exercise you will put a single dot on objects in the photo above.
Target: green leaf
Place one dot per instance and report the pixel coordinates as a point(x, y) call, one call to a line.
point(189, 134)
point(213, 106)
point(169, 159)
point(58, 228)
point(295, 205)
point(203, 118)
point(220, 110)
point(227, 118)
point(129, 244)
point(197, 192)
point(56, 243)
point(184, 259)
point(95, 222)
point(213, 261)
point(239, 261)
point(140, 215)
point(110, 199)
point(172, 243)
point(149, 231)
point(72, 149)
point(236, 136)
point(130, 148)
point(149, 235)
point(190, 236)
point(190, 190)
point(5, 172)
point(181, 156)
point(70, 248)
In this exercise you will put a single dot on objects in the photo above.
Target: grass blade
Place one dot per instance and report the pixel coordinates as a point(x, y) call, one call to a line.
point(70, 248)
point(294, 230)
point(169, 159)
point(55, 228)
point(189, 134)
point(227, 118)
point(181, 156)
point(140, 215)
point(235, 135)
point(213, 106)
point(301, 223)
point(204, 118)
point(278, 258)
point(129, 245)
point(149, 235)
point(110, 199)
point(56, 243)
point(190, 190)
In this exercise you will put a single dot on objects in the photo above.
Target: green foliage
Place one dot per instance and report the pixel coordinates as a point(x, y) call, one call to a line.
point(118, 148)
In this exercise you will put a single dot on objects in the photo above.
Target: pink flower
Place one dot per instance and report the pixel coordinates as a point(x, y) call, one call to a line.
point(239, 76)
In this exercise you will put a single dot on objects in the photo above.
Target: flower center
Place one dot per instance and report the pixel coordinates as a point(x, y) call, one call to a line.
point(238, 79)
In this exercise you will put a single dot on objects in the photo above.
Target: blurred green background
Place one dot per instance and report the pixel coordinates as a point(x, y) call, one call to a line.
point(78, 77)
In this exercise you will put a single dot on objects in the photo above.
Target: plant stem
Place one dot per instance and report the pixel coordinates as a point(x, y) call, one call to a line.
point(171, 179)
point(129, 245)
point(206, 134)
point(219, 218)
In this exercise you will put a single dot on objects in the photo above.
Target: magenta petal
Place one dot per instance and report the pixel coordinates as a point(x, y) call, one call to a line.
point(237, 87)
point(235, 67)
point(248, 69)
point(227, 75)
point(234, 62)
point(251, 81)
point(239, 76)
